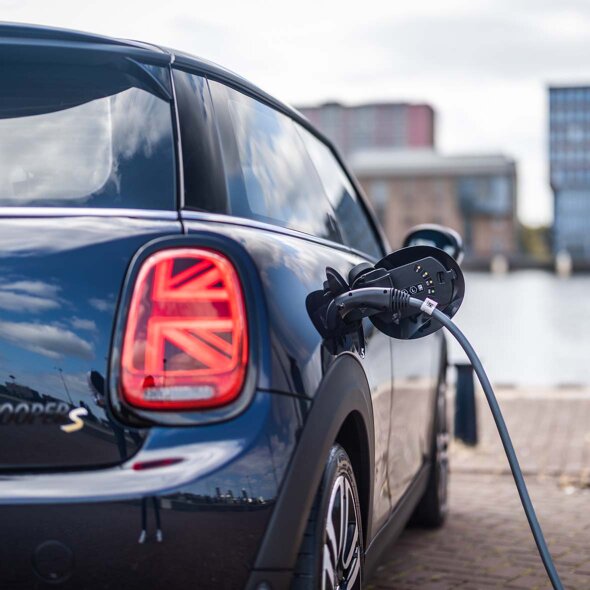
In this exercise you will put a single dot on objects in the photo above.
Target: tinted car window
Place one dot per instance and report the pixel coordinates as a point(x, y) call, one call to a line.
point(85, 135)
point(274, 180)
point(351, 217)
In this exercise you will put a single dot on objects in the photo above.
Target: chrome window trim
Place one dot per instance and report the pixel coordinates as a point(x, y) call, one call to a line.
point(191, 215)
point(87, 212)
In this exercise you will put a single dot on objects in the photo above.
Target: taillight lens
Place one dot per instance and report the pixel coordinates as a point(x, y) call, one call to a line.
point(185, 345)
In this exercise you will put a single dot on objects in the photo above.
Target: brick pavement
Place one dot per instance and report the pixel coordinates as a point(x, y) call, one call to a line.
point(550, 430)
point(486, 542)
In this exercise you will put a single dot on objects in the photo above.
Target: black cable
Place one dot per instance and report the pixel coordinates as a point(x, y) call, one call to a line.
point(527, 505)
point(371, 300)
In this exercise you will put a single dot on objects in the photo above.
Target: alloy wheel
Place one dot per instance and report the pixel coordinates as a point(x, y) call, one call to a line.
point(341, 558)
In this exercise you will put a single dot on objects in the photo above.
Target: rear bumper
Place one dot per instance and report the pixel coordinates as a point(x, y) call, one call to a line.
point(201, 520)
point(96, 546)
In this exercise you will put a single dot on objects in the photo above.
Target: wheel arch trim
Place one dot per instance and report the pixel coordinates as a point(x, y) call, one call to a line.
point(343, 391)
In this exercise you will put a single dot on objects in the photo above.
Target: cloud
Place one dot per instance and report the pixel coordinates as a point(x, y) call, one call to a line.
point(39, 288)
point(101, 304)
point(49, 340)
point(82, 324)
point(29, 296)
point(39, 171)
point(476, 45)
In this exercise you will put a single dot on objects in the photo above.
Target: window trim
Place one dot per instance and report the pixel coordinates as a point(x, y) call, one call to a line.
point(204, 216)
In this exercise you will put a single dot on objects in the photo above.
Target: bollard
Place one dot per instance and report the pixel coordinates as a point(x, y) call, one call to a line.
point(465, 411)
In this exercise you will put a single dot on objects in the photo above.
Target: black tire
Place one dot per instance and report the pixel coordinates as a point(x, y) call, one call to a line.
point(327, 541)
point(431, 512)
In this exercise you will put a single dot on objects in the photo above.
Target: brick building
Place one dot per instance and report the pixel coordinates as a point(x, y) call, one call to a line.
point(374, 125)
point(475, 195)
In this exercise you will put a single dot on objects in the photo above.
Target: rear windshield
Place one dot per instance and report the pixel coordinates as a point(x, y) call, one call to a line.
point(85, 135)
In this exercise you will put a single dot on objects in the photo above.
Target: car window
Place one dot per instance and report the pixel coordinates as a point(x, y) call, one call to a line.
point(274, 180)
point(356, 229)
point(84, 135)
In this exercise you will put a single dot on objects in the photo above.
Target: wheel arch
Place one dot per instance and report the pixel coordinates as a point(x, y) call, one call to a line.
point(353, 438)
point(341, 412)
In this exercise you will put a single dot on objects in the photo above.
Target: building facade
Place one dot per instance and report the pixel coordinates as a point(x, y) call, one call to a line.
point(569, 169)
point(475, 195)
point(374, 125)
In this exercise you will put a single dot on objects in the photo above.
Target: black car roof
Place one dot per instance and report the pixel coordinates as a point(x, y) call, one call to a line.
point(38, 32)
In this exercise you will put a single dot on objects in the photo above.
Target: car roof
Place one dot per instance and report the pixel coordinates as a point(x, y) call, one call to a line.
point(39, 32)
point(55, 35)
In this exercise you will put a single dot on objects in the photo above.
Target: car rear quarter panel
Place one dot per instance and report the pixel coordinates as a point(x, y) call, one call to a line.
point(60, 279)
point(291, 266)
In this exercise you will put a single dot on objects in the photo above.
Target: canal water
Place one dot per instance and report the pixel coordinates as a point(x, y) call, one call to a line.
point(529, 327)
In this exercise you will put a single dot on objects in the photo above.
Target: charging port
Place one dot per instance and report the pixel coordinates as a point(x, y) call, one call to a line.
point(441, 277)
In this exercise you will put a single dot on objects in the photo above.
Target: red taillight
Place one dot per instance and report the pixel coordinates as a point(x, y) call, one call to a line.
point(185, 345)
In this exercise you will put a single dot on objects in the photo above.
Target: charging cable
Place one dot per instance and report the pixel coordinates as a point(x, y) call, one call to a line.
point(428, 306)
point(371, 301)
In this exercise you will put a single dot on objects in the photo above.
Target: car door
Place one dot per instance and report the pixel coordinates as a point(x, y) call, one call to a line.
point(276, 205)
point(415, 376)
point(359, 233)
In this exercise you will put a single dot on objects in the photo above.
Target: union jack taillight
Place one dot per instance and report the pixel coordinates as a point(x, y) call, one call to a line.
point(185, 345)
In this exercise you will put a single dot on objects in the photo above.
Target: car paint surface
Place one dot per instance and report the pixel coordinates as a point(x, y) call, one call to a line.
point(290, 268)
point(60, 279)
point(83, 529)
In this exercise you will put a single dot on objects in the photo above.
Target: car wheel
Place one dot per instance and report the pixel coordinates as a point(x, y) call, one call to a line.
point(331, 555)
point(433, 507)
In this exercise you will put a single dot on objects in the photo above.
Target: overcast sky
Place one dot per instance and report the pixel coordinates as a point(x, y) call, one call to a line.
point(483, 65)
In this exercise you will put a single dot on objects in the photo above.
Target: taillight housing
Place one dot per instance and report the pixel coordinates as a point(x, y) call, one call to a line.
point(185, 345)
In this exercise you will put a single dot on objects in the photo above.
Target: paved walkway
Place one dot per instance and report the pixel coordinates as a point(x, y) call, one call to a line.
point(486, 542)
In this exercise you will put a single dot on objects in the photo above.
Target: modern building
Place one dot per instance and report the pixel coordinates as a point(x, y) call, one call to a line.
point(374, 125)
point(569, 169)
point(475, 195)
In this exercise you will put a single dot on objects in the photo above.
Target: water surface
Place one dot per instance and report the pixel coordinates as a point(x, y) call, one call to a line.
point(529, 327)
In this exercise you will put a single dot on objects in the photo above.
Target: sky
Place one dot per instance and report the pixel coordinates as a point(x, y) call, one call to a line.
point(483, 65)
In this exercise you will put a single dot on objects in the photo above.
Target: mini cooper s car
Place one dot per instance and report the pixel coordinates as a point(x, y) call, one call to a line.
point(169, 415)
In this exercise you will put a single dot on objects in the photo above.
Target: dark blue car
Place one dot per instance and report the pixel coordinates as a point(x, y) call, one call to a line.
point(169, 415)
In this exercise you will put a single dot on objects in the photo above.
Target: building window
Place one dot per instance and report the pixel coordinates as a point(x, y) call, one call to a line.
point(379, 194)
point(489, 195)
